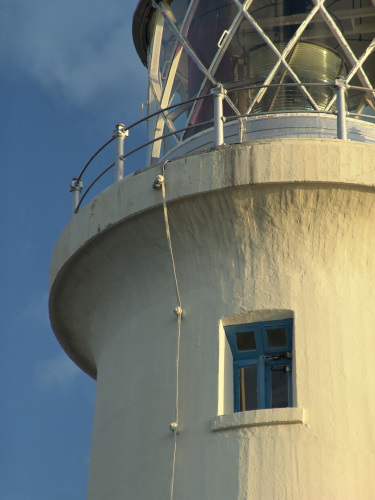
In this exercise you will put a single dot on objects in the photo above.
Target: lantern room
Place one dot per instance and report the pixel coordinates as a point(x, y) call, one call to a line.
point(279, 65)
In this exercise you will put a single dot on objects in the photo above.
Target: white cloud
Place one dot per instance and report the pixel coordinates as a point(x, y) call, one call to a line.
point(80, 49)
point(58, 372)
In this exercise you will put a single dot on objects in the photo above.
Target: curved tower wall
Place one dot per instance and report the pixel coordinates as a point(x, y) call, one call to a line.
point(275, 225)
point(263, 230)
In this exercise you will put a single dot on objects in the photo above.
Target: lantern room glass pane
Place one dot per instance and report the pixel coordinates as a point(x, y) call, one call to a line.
point(178, 116)
point(367, 98)
point(254, 60)
point(179, 9)
point(279, 20)
point(311, 63)
point(201, 112)
point(245, 67)
point(167, 49)
point(211, 18)
point(356, 21)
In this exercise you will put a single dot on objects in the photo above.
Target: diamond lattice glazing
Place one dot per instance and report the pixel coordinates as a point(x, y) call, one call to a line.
point(271, 58)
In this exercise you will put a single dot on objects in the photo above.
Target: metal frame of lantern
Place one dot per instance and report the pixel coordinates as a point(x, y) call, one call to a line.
point(171, 56)
point(239, 110)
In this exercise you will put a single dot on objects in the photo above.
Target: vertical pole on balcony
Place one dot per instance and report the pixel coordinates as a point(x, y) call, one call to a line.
point(76, 188)
point(119, 134)
point(218, 95)
point(340, 86)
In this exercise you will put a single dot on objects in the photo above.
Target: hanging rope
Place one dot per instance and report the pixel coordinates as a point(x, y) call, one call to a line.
point(174, 462)
point(160, 182)
point(169, 236)
point(174, 425)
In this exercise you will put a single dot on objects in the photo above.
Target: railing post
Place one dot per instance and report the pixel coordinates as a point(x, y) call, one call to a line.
point(119, 133)
point(76, 188)
point(218, 95)
point(340, 86)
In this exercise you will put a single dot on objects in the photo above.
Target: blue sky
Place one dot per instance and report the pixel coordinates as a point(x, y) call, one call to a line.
point(68, 73)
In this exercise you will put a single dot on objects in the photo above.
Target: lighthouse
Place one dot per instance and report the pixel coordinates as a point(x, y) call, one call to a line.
point(223, 296)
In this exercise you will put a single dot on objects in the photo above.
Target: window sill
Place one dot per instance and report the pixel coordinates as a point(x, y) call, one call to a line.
point(256, 418)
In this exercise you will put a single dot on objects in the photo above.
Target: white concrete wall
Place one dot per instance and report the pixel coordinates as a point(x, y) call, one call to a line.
point(276, 227)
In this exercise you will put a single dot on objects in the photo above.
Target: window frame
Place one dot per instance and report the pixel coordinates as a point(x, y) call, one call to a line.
point(263, 357)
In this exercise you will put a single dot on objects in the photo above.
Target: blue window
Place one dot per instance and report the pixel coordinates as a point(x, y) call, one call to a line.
point(262, 364)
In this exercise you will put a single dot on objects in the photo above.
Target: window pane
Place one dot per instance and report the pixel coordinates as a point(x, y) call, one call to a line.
point(248, 388)
point(279, 386)
point(246, 341)
point(276, 337)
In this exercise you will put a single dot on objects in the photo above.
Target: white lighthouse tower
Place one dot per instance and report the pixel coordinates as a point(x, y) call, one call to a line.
point(224, 296)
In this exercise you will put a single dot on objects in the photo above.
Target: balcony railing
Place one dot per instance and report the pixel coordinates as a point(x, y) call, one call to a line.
point(339, 89)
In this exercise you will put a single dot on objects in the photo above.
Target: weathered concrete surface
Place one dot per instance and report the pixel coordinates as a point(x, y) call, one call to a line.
point(263, 228)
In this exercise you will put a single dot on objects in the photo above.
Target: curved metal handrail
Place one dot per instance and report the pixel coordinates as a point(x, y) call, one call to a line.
point(339, 85)
point(123, 157)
